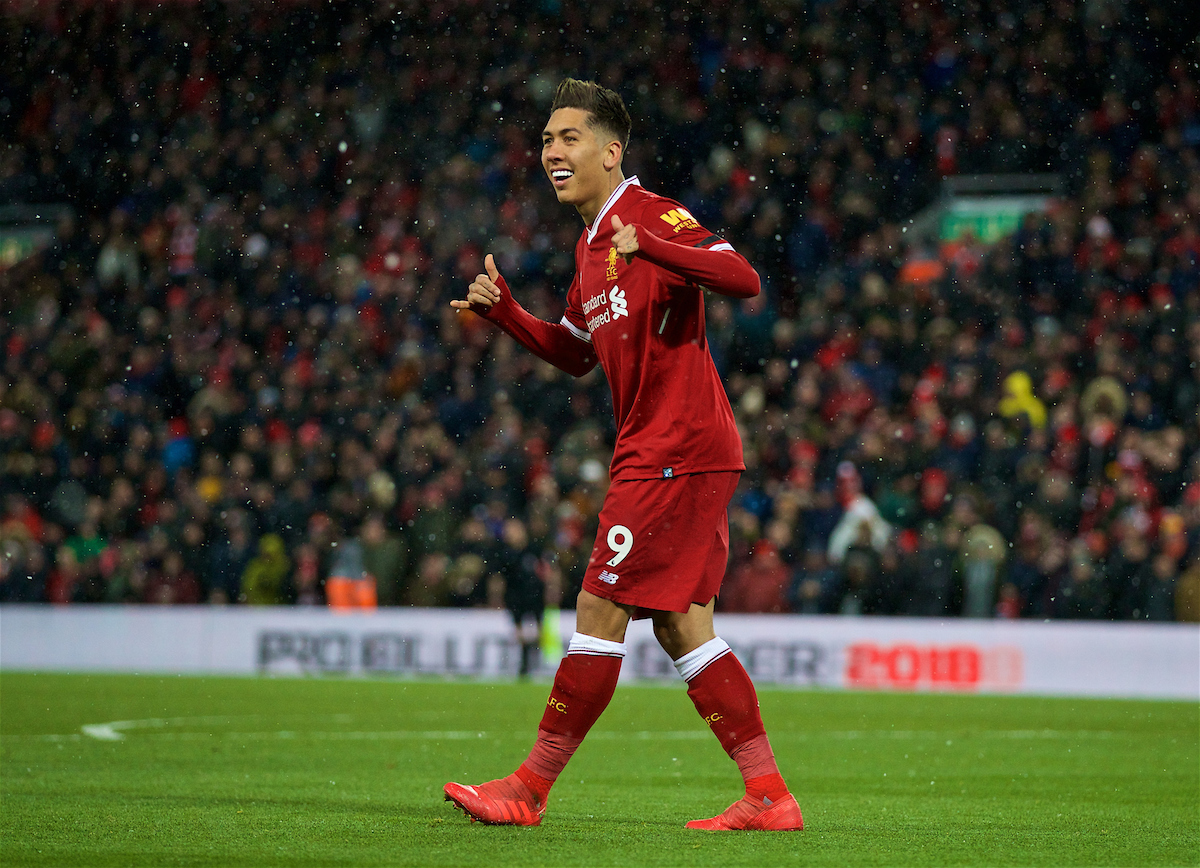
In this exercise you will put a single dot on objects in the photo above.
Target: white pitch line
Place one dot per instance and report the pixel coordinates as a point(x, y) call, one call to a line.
point(115, 730)
point(103, 731)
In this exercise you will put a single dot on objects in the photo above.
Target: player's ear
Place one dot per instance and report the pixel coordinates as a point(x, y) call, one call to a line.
point(613, 152)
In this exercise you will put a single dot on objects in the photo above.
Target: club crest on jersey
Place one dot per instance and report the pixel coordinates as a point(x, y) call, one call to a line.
point(680, 219)
point(611, 274)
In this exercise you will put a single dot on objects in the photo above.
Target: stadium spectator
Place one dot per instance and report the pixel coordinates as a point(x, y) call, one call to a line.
point(760, 584)
point(385, 559)
point(265, 574)
point(517, 563)
point(931, 587)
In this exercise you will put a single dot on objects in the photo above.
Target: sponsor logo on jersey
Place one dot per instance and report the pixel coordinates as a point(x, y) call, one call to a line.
point(620, 305)
point(602, 318)
point(612, 263)
point(595, 301)
point(680, 219)
point(595, 312)
point(609, 578)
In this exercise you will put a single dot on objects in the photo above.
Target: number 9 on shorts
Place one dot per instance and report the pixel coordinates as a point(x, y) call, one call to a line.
point(620, 540)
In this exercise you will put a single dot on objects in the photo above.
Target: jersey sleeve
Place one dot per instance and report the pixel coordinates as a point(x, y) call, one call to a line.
point(675, 240)
point(563, 344)
point(573, 318)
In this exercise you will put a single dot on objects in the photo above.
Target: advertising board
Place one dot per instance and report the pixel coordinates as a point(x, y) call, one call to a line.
point(908, 654)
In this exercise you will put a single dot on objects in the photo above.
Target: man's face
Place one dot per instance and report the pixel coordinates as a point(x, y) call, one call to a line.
point(575, 158)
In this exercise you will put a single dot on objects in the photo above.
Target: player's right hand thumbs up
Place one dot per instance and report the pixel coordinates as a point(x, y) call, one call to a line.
point(484, 291)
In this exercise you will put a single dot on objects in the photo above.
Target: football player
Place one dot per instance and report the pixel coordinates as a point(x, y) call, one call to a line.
point(636, 308)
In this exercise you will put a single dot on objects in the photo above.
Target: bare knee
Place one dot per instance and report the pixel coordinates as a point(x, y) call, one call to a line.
point(682, 632)
point(604, 619)
point(671, 640)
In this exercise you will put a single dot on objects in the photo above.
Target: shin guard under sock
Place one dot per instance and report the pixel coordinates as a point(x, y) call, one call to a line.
point(725, 697)
point(583, 687)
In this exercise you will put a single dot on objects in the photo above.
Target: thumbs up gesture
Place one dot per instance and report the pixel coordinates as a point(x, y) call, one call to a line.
point(484, 290)
point(625, 238)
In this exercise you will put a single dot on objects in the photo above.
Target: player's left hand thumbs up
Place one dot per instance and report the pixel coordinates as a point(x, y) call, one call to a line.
point(625, 238)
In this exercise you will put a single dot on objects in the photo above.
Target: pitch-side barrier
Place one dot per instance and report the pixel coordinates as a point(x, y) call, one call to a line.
point(1064, 658)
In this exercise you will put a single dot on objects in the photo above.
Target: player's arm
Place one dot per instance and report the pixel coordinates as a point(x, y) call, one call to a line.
point(561, 344)
point(711, 262)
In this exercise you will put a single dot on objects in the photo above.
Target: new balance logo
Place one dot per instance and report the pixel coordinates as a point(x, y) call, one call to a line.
point(608, 578)
point(680, 219)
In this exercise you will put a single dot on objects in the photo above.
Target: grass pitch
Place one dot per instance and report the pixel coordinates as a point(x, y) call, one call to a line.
point(128, 770)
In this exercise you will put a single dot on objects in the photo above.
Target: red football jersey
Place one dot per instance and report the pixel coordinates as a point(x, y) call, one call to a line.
point(645, 324)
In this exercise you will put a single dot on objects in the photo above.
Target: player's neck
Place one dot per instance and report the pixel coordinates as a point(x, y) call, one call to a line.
point(591, 208)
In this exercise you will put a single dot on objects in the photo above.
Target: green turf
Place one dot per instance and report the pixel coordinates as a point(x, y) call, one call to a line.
point(227, 771)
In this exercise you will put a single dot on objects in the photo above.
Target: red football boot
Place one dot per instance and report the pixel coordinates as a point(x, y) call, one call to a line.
point(503, 802)
point(757, 815)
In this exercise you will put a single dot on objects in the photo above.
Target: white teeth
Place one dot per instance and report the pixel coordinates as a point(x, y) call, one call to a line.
point(559, 174)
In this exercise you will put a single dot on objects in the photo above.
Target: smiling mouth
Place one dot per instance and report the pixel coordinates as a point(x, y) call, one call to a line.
point(561, 176)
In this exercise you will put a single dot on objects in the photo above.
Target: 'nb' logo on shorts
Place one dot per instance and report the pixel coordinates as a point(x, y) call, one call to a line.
point(608, 578)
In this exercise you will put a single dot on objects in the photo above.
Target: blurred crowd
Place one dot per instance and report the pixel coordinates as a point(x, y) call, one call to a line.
point(235, 374)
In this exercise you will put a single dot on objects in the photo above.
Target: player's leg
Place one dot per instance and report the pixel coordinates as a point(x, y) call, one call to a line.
point(725, 697)
point(583, 687)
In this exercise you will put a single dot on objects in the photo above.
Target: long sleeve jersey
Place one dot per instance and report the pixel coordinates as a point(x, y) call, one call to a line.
point(643, 322)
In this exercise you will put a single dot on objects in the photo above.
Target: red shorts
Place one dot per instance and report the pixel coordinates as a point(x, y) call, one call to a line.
point(663, 544)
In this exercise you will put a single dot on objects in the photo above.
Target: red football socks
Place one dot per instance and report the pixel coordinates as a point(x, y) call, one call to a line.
point(717, 684)
point(725, 697)
point(538, 785)
point(769, 787)
point(583, 687)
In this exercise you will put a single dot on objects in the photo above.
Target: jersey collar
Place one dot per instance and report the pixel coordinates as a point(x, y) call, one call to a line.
point(631, 181)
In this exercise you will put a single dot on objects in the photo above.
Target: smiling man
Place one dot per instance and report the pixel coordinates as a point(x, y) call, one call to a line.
point(636, 307)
